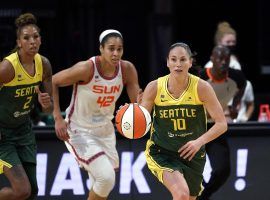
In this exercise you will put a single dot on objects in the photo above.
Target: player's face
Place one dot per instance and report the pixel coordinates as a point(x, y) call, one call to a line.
point(113, 50)
point(29, 40)
point(178, 60)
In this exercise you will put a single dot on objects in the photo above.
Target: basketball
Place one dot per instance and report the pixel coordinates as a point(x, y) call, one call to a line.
point(133, 121)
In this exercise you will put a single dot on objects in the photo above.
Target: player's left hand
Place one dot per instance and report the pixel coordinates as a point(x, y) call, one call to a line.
point(43, 98)
point(189, 150)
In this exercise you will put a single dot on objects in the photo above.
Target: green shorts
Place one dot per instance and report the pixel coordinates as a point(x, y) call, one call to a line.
point(160, 160)
point(17, 146)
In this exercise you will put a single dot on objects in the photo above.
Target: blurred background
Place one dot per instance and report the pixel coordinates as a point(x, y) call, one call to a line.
point(70, 31)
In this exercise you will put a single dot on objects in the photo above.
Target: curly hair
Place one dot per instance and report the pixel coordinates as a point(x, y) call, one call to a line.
point(25, 20)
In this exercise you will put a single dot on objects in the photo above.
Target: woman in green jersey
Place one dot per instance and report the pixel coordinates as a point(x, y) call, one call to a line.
point(175, 152)
point(21, 75)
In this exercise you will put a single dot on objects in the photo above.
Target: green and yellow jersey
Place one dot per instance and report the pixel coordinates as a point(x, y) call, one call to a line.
point(177, 121)
point(18, 96)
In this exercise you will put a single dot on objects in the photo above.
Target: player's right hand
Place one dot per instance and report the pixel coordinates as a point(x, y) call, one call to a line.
point(61, 129)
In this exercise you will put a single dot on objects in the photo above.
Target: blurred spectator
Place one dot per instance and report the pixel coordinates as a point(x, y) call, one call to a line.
point(228, 84)
point(226, 36)
point(246, 106)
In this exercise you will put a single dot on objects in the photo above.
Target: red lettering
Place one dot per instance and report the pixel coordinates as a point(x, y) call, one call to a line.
point(103, 89)
point(98, 89)
point(116, 88)
point(108, 90)
point(105, 101)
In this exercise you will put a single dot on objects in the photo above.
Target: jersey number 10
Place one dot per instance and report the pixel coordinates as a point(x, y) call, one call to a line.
point(179, 124)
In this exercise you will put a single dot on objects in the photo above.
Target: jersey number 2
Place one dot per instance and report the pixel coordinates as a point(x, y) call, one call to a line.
point(28, 100)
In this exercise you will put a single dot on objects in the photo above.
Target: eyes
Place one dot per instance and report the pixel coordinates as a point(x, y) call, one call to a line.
point(112, 48)
point(175, 59)
point(28, 37)
point(115, 49)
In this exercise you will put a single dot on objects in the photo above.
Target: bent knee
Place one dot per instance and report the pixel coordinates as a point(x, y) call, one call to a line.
point(181, 196)
point(104, 184)
point(180, 193)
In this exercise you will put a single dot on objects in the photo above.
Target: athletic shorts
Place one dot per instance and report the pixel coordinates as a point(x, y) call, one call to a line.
point(17, 145)
point(88, 144)
point(160, 160)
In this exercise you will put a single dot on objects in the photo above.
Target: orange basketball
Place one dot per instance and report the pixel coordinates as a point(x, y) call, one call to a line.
point(133, 121)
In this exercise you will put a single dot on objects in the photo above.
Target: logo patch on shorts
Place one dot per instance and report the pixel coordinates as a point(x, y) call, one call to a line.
point(203, 155)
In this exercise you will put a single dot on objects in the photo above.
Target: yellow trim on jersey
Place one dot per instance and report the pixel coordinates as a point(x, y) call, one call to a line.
point(154, 167)
point(21, 76)
point(165, 98)
point(168, 92)
point(202, 188)
point(2, 164)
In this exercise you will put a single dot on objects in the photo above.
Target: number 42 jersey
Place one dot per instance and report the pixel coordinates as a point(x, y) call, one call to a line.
point(93, 104)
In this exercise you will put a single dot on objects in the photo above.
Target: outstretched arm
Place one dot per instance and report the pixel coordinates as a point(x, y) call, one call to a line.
point(81, 72)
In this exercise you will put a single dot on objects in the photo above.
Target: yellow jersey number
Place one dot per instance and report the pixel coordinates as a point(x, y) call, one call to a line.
point(179, 124)
point(28, 100)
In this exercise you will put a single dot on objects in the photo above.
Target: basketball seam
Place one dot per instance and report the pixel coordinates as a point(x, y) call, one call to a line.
point(139, 124)
point(122, 132)
point(145, 121)
point(133, 134)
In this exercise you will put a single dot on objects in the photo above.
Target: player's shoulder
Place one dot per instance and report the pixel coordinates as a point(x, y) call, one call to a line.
point(204, 90)
point(151, 89)
point(85, 67)
point(128, 69)
point(127, 64)
point(163, 78)
point(5, 64)
point(44, 60)
point(152, 84)
point(203, 84)
point(7, 71)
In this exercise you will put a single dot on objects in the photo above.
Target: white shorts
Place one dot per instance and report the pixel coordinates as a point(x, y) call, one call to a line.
point(88, 144)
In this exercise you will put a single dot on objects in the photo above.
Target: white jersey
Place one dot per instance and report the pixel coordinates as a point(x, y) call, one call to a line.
point(93, 104)
point(247, 98)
